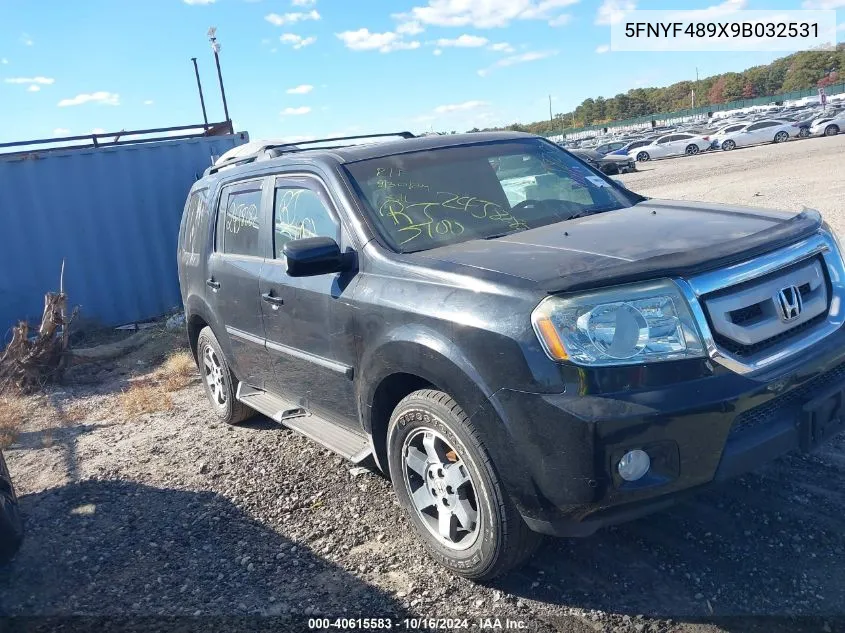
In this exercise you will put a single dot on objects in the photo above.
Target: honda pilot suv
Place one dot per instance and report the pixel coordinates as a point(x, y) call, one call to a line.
point(520, 343)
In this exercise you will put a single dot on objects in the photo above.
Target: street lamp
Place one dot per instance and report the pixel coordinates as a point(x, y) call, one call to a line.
point(215, 46)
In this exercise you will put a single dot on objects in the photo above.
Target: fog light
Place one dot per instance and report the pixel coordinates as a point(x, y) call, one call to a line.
point(634, 465)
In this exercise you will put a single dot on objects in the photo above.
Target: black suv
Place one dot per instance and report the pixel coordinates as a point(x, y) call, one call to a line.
point(524, 346)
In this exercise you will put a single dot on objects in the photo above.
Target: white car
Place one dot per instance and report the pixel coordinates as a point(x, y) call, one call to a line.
point(758, 132)
point(828, 126)
point(719, 136)
point(671, 145)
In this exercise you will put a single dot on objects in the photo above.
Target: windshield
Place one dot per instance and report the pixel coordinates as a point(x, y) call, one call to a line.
point(443, 196)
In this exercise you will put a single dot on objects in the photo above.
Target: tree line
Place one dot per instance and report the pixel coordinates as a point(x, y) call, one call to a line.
point(799, 71)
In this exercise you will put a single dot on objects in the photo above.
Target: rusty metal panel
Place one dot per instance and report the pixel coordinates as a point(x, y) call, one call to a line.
point(112, 214)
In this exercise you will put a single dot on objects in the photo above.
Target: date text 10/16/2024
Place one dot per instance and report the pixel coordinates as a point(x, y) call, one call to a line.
point(415, 624)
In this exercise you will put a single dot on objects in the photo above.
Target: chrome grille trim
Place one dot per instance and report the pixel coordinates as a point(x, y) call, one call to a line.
point(822, 244)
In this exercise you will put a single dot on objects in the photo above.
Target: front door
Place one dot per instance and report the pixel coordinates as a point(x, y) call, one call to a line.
point(234, 269)
point(308, 319)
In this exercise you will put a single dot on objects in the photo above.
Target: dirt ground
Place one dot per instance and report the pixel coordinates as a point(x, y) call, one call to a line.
point(173, 514)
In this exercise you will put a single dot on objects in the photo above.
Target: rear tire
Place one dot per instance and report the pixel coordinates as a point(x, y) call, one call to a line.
point(219, 381)
point(692, 149)
point(781, 136)
point(440, 468)
point(831, 130)
point(643, 157)
point(11, 524)
point(728, 146)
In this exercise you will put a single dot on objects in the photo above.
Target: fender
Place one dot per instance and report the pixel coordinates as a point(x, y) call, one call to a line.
point(196, 305)
point(423, 352)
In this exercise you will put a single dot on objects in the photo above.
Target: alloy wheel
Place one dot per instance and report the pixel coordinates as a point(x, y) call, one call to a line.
point(692, 150)
point(441, 489)
point(780, 137)
point(214, 377)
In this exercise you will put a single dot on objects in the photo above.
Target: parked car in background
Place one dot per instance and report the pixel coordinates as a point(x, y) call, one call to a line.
point(606, 148)
point(11, 525)
point(828, 126)
point(757, 133)
point(610, 164)
point(625, 149)
point(671, 145)
point(716, 138)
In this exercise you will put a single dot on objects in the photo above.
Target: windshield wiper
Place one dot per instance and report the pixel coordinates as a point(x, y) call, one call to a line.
point(498, 235)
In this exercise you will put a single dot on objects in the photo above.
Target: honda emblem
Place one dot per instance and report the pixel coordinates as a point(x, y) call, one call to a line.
point(789, 303)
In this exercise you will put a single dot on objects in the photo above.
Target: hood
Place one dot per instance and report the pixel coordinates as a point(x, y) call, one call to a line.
point(652, 239)
point(616, 158)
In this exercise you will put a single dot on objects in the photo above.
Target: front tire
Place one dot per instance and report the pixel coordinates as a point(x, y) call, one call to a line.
point(219, 381)
point(831, 130)
point(11, 524)
point(643, 157)
point(447, 485)
point(728, 146)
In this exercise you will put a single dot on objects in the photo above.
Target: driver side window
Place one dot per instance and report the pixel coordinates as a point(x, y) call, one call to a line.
point(299, 213)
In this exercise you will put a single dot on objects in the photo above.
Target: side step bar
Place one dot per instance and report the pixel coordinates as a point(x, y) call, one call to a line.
point(345, 442)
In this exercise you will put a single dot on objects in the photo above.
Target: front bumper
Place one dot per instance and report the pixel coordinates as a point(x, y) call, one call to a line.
point(696, 432)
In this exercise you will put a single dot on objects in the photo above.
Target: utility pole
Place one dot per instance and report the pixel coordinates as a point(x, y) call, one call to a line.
point(215, 46)
point(551, 117)
point(696, 86)
point(199, 87)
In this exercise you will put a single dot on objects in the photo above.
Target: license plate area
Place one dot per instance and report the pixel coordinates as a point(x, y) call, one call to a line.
point(822, 418)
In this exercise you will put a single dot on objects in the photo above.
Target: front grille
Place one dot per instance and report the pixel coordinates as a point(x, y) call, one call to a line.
point(748, 318)
point(788, 403)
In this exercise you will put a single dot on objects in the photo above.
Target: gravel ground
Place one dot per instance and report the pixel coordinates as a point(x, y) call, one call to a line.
point(173, 514)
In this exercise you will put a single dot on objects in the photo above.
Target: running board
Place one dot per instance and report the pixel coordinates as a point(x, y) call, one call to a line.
point(345, 442)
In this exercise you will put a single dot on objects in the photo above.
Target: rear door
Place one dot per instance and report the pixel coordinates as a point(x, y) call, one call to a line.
point(762, 132)
point(308, 320)
point(679, 143)
point(241, 245)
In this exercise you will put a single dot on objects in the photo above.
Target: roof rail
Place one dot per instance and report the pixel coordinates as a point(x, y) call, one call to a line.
point(275, 150)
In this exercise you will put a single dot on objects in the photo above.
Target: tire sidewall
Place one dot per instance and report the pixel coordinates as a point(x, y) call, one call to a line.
point(207, 339)
point(692, 149)
point(727, 146)
point(643, 157)
point(481, 555)
point(831, 130)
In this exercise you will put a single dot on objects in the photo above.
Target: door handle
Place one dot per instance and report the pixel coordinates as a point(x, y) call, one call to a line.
point(274, 301)
point(212, 284)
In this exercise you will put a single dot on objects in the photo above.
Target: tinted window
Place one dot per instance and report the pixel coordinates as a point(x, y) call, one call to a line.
point(734, 128)
point(759, 126)
point(681, 137)
point(425, 199)
point(195, 214)
point(637, 144)
point(665, 139)
point(300, 213)
point(241, 222)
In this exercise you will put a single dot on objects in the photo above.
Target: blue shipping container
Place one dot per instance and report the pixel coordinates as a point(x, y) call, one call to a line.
point(111, 213)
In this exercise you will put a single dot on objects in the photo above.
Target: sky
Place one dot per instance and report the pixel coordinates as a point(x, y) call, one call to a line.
point(296, 69)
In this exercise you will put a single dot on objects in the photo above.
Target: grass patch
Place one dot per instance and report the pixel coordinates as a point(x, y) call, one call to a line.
point(177, 371)
point(145, 397)
point(13, 414)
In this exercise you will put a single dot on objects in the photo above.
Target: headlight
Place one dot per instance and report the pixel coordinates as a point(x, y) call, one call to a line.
point(625, 325)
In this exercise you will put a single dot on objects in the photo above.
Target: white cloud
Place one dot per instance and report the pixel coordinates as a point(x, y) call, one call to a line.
point(296, 111)
point(363, 40)
point(149, 102)
point(291, 18)
point(4, 61)
point(610, 11)
point(304, 89)
point(410, 28)
point(101, 97)
point(561, 20)
point(513, 60)
point(482, 15)
point(297, 41)
point(502, 47)
point(715, 11)
point(463, 41)
point(34, 88)
point(304, 3)
point(199, 1)
point(60, 131)
point(824, 4)
point(437, 51)
point(26, 40)
point(44, 81)
point(460, 107)
point(604, 48)
point(98, 130)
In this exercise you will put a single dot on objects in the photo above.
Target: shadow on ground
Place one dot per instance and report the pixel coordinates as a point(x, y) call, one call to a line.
point(113, 548)
point(770, 543)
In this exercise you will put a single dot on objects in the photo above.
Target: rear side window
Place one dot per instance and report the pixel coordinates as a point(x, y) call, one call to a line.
point(241, 221)
point(193, 224)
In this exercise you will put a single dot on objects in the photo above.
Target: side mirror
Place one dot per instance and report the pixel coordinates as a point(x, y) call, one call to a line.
point(619, 182)
point(314, 256)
